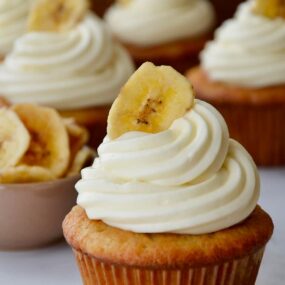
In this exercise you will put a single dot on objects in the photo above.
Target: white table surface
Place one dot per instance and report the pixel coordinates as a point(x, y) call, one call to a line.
point(55, 264)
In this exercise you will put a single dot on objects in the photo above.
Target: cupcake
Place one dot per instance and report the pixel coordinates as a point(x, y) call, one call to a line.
point(13, 21)
point(242, 73)
point(165, 32)
point(41, 156)
point(171, 199)
point(71, 64)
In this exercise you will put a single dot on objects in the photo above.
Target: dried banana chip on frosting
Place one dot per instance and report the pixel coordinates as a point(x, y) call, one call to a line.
point(25, 174)
point(14, 138)
point(270, 8)
point(49, 146)
point(78, 136)
point(150, 101)
point(56, 15)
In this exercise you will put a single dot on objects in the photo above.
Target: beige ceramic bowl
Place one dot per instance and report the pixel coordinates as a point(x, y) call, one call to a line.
point(31, 214)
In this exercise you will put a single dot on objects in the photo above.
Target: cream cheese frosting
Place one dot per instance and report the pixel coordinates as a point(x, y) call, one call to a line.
point(149, 23)
point(189, 179)
point(13, 22)
point(70, 70)
point(248, 50)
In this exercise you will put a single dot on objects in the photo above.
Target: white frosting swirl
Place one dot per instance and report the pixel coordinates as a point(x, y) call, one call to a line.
point(189, 179)
point(13, 22)
point(248, 50)
point(149, 23)
point(75, 69)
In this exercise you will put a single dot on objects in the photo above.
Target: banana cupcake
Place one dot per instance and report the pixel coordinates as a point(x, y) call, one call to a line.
point(166, 32)
point(13, 22)
point(171, 199)
point(67, 61)
point(242, 73)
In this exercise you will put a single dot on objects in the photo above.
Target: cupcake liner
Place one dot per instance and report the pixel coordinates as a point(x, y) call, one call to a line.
point(260, 129)
point(235, 272)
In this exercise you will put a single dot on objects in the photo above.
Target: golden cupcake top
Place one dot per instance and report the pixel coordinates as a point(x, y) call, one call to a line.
point(91, 236)
point(37, 144)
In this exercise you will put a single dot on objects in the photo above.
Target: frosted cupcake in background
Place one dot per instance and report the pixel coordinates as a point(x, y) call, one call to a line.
point(13, 23)
point(163, 31)
point(242, 73)
point(67, 61)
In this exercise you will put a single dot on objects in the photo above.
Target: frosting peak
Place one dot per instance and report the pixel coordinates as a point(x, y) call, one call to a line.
point(189, 179)
point(68, 70)
point(146, 22)
point(248, 50)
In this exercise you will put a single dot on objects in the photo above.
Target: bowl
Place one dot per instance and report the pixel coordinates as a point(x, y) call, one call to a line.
point(31, 214)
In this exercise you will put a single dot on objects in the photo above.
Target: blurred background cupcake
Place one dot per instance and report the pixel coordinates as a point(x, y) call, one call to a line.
point(242, 73)
point(70, 63)
point(100, 6)
point(165, 32)
point(13, 22)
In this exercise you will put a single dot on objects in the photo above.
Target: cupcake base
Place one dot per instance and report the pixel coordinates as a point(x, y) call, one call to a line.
point(180, 54)
point(94, 119)
point(255, 117)
point(107, 255)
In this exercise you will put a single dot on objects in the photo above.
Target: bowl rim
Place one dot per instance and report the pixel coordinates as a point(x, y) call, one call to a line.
point(43, 183)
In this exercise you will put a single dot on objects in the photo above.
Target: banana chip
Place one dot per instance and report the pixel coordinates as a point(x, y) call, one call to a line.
point(14, 138)
point(150, 101)
point(270, 8)
point(25, 174)
point(56, 15)
point(78, 136)
point(49, 147)
point(83, 157)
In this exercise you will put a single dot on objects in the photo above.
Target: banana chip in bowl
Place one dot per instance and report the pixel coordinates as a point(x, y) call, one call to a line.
point(41, 155)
